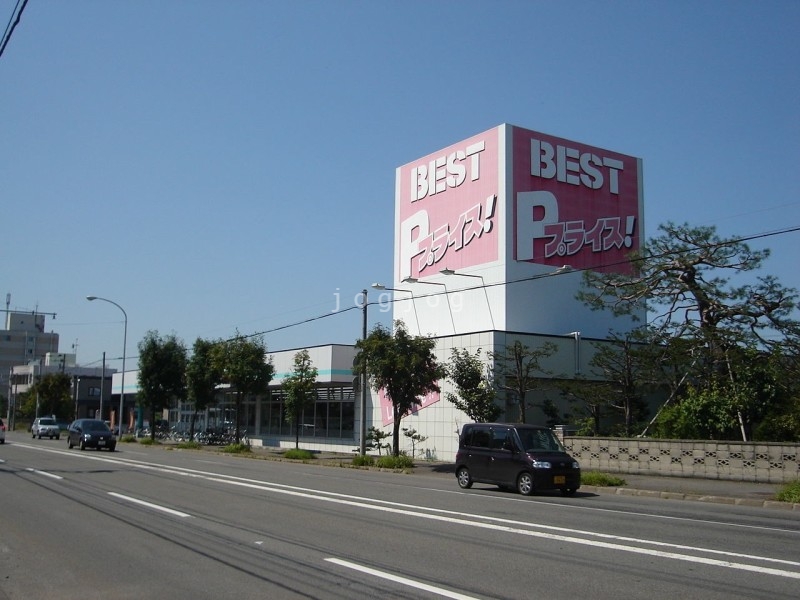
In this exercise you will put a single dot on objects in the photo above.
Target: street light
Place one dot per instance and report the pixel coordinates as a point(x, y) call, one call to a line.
point(124, 344)
point(449, 308)
point(449, 272)
point(380, 286)
point(362, 449)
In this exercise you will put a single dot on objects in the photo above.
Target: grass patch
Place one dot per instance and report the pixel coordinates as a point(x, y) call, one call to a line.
point(189, 445)
point(789, 492)
point(599, 479)
point(363, 461)
point(148, 441)
point(237, 449)
point(128, 439)
point(298, 454)
point(394, 462)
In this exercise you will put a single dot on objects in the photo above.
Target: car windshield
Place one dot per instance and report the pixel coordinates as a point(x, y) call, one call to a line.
point(538, 440)
point(95, 426)
point(47, 422)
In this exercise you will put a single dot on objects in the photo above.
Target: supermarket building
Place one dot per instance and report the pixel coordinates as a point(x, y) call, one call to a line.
point(491, 237)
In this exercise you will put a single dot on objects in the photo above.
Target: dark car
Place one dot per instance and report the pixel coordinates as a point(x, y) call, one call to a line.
point(527, 458)
point(91, 433)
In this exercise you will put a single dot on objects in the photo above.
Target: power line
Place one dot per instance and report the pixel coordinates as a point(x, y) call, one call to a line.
point(12, 24)
point(533, 277)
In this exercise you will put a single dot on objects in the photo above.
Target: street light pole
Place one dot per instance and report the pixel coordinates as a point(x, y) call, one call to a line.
point(363, 416)
point(124, 345)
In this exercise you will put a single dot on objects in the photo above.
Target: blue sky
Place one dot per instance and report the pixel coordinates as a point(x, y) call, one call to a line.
point(215, 166)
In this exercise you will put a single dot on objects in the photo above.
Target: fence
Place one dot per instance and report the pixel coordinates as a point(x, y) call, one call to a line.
point(736, 461)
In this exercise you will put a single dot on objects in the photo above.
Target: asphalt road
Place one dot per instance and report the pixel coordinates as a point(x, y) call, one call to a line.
point(150, 522)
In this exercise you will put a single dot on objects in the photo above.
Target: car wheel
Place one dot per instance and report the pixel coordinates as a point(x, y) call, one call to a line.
point(568, 491)
point(58, 437)
point(33, 436)
point(111, 448)
point(525, 484)
point(464, 478)
point(82, 445)
point(69, 443)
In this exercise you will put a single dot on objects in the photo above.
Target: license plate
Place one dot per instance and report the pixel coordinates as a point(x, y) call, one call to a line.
point(103, 443)
point(559, 479)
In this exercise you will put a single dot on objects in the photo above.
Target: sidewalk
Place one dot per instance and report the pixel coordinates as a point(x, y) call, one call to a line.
point(742, 493)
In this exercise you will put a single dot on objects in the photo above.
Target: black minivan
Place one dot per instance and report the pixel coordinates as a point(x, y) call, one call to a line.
point(528, 458)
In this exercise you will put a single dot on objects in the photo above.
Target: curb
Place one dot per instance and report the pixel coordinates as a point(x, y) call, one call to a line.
point(619, 491)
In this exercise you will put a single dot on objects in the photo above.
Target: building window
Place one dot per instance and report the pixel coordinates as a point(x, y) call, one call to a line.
point(333, 415)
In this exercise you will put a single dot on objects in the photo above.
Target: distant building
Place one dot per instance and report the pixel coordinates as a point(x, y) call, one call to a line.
point(23, 340)
point(91, 386)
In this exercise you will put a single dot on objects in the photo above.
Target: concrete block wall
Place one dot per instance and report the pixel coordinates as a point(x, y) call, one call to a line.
point(736, 461)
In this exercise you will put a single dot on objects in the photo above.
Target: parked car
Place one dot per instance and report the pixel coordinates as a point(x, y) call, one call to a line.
point(90, 433)
point(527, 458)
point(45, 427)
point(2, 432)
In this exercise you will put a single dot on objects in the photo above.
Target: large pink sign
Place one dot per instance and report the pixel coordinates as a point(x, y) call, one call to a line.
point(574, 204)
point(387, 409)
point(447, 208)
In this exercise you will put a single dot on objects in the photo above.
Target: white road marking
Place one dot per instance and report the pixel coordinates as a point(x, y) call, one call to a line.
point(45, 473)
point(170, 511)
point(402, 580)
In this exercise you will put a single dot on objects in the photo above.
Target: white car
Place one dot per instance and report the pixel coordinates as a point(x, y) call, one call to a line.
point(46, 427)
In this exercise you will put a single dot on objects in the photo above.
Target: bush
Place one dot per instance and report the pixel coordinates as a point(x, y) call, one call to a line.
point(237, 449)
point(128, 438)
point(790, 492)
point(395, 462)
point(363, 461)
point(148, 441)
point(599, 479)
point(297, 454)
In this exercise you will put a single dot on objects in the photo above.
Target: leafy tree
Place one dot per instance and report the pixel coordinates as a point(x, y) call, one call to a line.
point(683, 277)
point(202, 378)
point(300, 391)
point(52, 392)
point(515, 371)
point(162, 374)
point(402, 365)
point(244, 365)
point(707, 325)
point(476, 394)
point(630, 368)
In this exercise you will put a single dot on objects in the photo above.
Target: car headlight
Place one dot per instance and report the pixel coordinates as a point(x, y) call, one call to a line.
point(87, 436)
point(541, 464)
point(576, 465)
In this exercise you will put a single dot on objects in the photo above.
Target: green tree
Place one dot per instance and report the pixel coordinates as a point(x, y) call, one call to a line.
point(300, 389)
point(202, 378)
point(53, 395)
point(475, 393)
point(402, 365)
point(162, 374)
point(375, 439)
point(516, 372)
point(244, 365)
